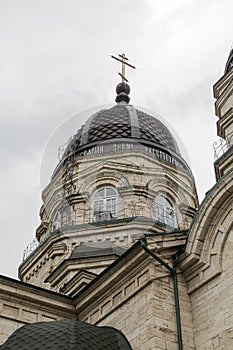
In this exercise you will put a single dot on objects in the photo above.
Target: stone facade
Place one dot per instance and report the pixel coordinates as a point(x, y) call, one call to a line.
point(21, 303)
point(137, 296)
point(209, 254)
point(172, 281)
point(137, 177)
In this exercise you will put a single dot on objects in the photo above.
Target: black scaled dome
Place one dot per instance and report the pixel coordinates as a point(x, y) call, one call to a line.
point(123, 123)
point(66, 335)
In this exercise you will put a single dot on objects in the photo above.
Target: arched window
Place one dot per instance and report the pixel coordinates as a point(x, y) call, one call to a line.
point(57, 221)
point(164, 211)
point(104, 205)
point(62, 217)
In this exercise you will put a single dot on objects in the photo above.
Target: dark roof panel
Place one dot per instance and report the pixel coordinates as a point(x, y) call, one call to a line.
point(66, 335)
point(121, 121)
point(85, 250)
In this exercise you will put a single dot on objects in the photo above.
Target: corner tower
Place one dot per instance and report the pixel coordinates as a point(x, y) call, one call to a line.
point(121, 175)
point(208, 259)
point(223, 92)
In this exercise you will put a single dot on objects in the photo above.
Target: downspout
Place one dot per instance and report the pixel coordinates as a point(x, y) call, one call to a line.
point(173, 272)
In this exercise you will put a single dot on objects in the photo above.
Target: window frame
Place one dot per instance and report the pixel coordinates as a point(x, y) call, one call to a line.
point(165, 210)
point(107, 204)
point(57, 221)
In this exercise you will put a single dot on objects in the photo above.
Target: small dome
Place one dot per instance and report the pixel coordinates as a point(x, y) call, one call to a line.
point(67, 335)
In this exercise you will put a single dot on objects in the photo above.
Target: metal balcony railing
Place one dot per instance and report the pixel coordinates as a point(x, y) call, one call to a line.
point(220, 147)
point(30, 248)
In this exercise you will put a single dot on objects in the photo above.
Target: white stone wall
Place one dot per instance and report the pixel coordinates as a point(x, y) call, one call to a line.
point(208, 269)
point(138, 177)
point(223, 92)
point(148, 317)
point(21, 304)
point(138, 299)
point(212, 306)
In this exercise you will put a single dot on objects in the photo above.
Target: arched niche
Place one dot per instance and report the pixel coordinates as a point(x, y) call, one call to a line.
point(101, 178)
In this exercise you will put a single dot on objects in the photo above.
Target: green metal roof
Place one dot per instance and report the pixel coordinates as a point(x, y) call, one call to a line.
point(66, 335)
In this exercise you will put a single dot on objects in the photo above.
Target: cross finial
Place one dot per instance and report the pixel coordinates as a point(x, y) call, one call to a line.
point(123, 60)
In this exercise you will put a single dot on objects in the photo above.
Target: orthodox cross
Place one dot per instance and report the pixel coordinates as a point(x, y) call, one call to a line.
point(123, 60)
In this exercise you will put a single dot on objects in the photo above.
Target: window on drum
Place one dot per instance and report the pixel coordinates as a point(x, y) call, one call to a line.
point(104, 206)
point(164, 211)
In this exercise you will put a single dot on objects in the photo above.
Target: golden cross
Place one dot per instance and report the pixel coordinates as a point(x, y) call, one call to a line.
point(123, 64)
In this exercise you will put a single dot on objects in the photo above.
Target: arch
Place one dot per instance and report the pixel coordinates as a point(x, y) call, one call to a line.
point(209, 231)
point(57, 221)
point(52, 205)
point(174, 199)
point(101, 177)
point(179, 190)
point(219, 197)
point(165, 210)
point(176, 188)
point(61, 215)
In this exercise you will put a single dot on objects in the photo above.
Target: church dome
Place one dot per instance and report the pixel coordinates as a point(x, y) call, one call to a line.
point(66, 335)
point(125, 124)
point(123, 121)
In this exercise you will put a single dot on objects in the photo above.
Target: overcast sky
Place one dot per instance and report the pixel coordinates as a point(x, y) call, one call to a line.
point(55, 62)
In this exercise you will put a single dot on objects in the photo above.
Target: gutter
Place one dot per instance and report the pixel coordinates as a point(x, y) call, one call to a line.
point(173, 272)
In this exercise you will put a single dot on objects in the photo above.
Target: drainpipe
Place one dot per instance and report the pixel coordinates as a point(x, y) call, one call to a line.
point(173, 272)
